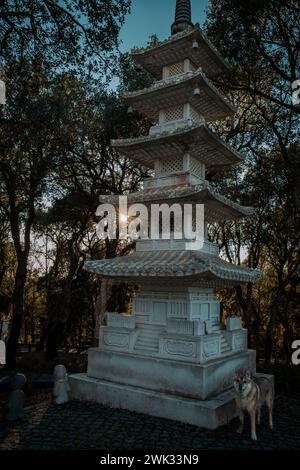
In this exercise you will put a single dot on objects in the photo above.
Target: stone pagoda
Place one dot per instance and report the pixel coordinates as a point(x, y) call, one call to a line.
point(171, 357)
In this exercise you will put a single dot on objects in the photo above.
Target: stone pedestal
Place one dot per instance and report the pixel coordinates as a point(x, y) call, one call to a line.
point(184, 379)
point(182, 325)
point(170, 358)
point(209, 414)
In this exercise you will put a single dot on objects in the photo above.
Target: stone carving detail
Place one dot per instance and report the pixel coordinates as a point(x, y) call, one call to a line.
point(185, 327)
point(180, 327)
point(116, 339)
point(120, 321)
point(141, 306)
point(210, 348)
point(180, 348)
point(178, 309)
point(240, 341)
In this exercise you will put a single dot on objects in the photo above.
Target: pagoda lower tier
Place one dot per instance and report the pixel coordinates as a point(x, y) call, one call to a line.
point(165, 142)
point(171, 357)
point(180, 188)
point(173, 266)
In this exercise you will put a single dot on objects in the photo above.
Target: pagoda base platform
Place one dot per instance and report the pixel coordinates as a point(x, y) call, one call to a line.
point(198, 394)
point(185, 379)
point(209, 414)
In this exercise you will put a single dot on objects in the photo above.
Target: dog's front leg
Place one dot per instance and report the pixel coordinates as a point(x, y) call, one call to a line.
point(253, 424)
point(269, 401)
point(258, 415)
point(241, 427)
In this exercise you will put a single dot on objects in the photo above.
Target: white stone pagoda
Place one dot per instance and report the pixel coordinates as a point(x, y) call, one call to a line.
point(171, 357)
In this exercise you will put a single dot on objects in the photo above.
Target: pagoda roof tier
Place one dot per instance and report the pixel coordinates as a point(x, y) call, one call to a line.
point(179, 47)
point(178, 90)
point(172, 265)
point(217, 207)
point(197, 140)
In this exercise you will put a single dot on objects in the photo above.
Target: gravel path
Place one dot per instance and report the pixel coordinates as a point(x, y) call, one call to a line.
point(81, 425)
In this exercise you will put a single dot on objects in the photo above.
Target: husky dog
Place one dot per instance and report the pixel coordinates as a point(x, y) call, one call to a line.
point(251, 394)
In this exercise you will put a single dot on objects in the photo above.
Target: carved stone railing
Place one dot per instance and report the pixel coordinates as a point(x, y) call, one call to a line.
point(116, 320)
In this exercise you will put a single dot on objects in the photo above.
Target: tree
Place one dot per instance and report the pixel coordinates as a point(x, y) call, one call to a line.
point(28, 151)
point(89, 168)
point(67, 33)
point(261, 39)
point(38, 41)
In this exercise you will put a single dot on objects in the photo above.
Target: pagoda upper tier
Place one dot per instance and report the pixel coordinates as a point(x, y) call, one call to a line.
point(180, 102)
point(181, 149)
point(191, 43)
point(177, 89)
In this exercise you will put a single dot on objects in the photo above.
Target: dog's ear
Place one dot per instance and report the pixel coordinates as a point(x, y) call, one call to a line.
point(248, 374)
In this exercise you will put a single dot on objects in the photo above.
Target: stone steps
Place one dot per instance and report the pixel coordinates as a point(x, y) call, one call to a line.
point(216, 326)
point(224, 345)
point(148, 337)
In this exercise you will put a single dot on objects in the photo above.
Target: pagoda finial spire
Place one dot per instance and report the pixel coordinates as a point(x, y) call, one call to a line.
point(183, 16)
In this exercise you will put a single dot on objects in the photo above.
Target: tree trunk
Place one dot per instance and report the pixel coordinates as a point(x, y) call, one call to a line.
point(247, 308)
point(3, 266)
point(52, 344)
point(57, 325)
point(41, 343)
point(17, 310)
point(56, 331)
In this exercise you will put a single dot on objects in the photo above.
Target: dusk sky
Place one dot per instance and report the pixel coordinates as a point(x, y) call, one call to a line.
point(154, 17)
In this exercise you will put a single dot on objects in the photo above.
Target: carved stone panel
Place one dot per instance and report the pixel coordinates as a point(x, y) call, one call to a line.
point(211, 348)
point(180, 348)
point(118, 340)
point(240, 341)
